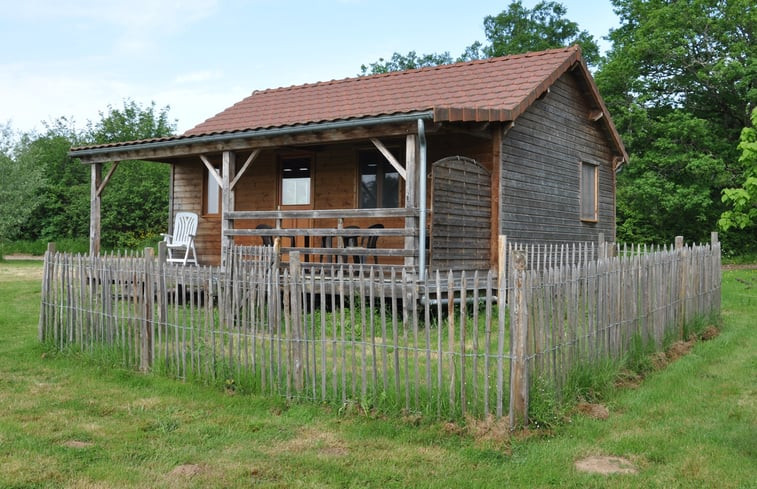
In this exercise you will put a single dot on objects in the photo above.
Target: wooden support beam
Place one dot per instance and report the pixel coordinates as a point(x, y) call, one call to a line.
point(390, 157)
point(212, 170)
point(411, 223)
point(105, 181)
point(228, 163)
point(247, 163)
point(596, 115)
point(94, 208)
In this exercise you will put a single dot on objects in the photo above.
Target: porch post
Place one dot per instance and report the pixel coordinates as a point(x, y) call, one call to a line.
point(411, 222)
point(228, 170)
point(94, 208)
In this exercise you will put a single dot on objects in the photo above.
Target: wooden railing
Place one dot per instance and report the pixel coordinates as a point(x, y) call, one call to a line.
point(339, 251)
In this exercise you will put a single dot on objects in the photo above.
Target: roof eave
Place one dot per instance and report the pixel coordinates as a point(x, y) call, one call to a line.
point(152, 149)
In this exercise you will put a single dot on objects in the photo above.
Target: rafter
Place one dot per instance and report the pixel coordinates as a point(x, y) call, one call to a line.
point(390, 157)
point(247, 163)
point(212, 170)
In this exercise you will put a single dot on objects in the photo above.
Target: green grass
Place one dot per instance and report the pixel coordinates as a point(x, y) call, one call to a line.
point(68, 421)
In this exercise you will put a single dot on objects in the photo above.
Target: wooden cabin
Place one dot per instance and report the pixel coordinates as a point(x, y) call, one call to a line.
point(431, 164)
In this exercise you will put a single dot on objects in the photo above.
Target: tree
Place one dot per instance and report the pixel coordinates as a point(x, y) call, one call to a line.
point(410, 61)
point(62, 210)
point(18, 187)
point(518, 29)
point(679, 81)
point(743, 200)
point(513, 31)
point(135, 202)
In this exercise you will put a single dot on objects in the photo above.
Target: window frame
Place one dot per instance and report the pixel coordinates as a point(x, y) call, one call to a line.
point(380, 170)
point(207, 178)
point(582, 188)
point(311, 176)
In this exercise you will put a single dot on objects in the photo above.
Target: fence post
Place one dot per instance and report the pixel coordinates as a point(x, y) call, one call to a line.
point(161, 283)
point(147, 297)
point(502, 267)
point(681, 257)
point(46, 279)
point(296, 315)
point(518, 341)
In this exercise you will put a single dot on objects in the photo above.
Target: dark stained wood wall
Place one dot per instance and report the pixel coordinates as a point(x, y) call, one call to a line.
point(541, 156)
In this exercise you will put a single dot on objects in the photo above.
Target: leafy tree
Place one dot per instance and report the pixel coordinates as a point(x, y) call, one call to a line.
point(410, 61)
point(62, 210)
point(513, 31)
point(18, 187)
point(135, 202)
point(743, 200)
point(679, 81)
point(518, 29)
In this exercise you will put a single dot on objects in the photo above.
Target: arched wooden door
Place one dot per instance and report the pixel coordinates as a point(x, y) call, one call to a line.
point(461, 215)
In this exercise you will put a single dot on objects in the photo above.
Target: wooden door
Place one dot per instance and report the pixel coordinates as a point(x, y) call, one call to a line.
point(461, 215)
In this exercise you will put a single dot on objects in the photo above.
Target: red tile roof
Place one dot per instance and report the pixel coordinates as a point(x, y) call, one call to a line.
point(494, 89)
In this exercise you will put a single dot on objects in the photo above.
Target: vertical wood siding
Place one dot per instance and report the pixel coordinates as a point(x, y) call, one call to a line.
point(540, 175)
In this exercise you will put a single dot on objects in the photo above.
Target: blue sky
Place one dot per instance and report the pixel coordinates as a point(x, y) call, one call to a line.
point(73, 58)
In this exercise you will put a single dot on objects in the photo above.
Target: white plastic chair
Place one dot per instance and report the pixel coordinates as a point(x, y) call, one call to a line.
point(183, 238)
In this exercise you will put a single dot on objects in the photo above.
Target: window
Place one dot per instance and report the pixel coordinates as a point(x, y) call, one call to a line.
point(295, 181)
point(212, 201)
point(379, 181)
point(589, 172)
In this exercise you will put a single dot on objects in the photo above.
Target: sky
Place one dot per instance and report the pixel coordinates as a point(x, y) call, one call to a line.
point(74, 58)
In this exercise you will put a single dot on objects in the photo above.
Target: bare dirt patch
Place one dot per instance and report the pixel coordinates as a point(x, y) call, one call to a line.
point(596, 411)
point(324, 443)
point(709, 333)
point(187, 470)
point(679, 349)
point(606, 465)
point(78, 444)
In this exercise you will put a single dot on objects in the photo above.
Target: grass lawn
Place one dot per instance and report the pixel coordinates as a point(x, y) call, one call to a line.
point(66, 421)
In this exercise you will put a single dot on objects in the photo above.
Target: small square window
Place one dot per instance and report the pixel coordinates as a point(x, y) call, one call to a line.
point(295, 181)
point(588, 197)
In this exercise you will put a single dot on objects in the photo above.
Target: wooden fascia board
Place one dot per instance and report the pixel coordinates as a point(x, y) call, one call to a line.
point(605, 117)
point(161, 152)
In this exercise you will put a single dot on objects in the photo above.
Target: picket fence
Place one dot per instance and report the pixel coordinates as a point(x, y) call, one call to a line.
point(453, 344)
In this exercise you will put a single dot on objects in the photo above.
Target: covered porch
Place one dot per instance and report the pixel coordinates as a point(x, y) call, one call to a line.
point(360, 191)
